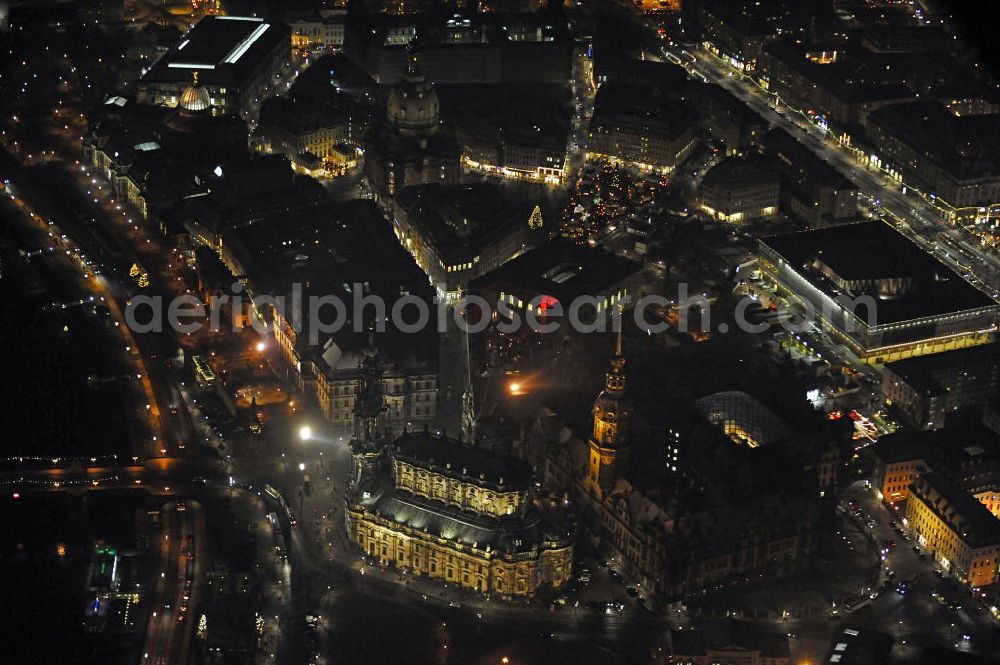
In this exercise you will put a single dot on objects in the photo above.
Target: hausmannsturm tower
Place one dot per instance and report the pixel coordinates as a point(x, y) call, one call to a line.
point(609, 441)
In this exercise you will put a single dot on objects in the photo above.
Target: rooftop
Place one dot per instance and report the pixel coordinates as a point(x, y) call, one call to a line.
point(948, 448)
point(795, 157)
point(399, 352)
point(299, 117)
point(564, 270)
point(952, 142)
point(858, 646)
point(855, 75)
point(958, 509)
point(332, 71)
point(327, 247)
point(530, 113)
point(734, 172)
point(222, 49)
point(451, 457)
point(869, 251)
point(742, 418)
point(463, 219)
point(920, 371)
point(728, 635)
point(511, 533)
point(617, 102)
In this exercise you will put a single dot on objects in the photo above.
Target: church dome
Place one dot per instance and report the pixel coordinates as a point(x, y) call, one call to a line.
point(195, 98)
point(413, 103)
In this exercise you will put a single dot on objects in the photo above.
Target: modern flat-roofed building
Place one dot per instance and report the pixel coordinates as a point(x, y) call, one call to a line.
point(961, 533)
point(738, 190)
point(509, 131)
point(924, 390)
point(940, 152)
point(556, 274)
point(876, 292)
point(233, 57)
point(811, 189)
point(457, 233)
point(470, 48)
point(736, 33)
point(639, 127)
point(836, 84)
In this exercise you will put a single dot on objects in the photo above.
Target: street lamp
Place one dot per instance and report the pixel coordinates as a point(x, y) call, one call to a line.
point(305, 432)
point(261, 346)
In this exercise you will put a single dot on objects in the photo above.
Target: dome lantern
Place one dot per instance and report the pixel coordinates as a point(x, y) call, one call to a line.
point(413, 106)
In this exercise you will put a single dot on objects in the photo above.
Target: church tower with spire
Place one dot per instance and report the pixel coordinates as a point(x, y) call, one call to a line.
point(609, 448)
point(370, 434)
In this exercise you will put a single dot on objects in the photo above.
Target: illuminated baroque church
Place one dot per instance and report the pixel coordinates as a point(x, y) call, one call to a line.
point(436, 507)
point(410, 147)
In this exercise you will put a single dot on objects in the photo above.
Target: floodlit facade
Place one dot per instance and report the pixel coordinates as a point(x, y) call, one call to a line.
point(876, 292)
point(445, 510)
point(738, 190)
point(325, 29)
point(959, 530)
point(410, 389)
point(646, 143)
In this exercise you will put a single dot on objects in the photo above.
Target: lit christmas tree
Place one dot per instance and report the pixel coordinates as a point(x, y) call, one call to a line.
point(535, 220)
